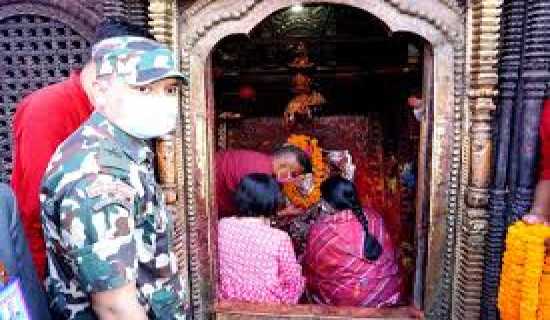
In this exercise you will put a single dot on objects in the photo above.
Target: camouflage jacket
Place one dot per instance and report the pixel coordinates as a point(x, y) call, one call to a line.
point(105, 224)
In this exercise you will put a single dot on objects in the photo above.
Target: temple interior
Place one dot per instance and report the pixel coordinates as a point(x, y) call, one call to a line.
point(337, 74)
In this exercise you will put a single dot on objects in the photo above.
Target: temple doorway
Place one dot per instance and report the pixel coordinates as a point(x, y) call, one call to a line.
point(339, 75)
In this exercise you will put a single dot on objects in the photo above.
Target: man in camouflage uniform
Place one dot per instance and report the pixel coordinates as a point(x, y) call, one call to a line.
point(108, 233)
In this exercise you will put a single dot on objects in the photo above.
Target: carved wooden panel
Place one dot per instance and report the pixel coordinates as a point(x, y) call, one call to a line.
point(226, 310)
point(115, 8)
point(524, 75)
point(534, 77)
point(35, 51)
point(135, 11)
point(161, 15)
point(483, 28)
point(170, 150)
point(138, 12)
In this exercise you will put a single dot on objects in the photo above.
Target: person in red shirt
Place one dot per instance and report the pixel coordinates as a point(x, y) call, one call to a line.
point(540, 210)
point(42, 121)
point(287, 163)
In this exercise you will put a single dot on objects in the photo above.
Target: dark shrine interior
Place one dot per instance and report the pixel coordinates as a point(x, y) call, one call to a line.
point(364, 73)
point(358, 64)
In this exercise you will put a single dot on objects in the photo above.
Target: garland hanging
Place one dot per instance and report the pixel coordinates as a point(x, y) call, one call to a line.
point(524, 291)
point(309, 146)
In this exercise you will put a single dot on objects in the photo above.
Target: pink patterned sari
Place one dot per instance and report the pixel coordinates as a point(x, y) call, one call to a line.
point(336, 271)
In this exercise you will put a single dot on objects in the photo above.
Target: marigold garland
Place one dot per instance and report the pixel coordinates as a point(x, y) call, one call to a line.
point(308, 145)
point(524, 289)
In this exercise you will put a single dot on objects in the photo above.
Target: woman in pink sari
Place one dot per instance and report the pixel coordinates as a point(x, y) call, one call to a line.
point(350, 259)
point(257, 262)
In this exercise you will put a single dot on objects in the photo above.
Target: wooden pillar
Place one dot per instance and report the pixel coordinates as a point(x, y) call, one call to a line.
point(533, 81)
point(483, 31)
point(169, 150)
point(161, 20)
point(160, 16)
point(512, 26)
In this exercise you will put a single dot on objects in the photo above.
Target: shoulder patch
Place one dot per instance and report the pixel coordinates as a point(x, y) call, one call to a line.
point(114, 192)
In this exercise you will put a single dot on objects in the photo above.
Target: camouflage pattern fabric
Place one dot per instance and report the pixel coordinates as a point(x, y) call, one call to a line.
point(136, 60)
point(105, 224)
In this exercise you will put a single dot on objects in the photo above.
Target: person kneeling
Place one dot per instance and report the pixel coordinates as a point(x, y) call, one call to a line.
point(257, 262)
point(350, 259)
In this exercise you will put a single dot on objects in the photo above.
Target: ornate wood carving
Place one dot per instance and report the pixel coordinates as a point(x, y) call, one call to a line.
point(135, 11)
point(533, 81)
point(42, 42)
point(93, 5)
point(313, 21)
point(483, 30)
point(161, 23)
point(512, 27)
point(209, 21)
point(115, 9)
point(161, 15)
point(226, 310)
point(443, 303)
point(88, 10)
point(74, 15)
point(170, 147)
point(138, 12)
point(524, 74)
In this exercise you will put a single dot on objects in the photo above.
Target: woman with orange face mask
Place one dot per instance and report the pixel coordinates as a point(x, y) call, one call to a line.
point(286, 164)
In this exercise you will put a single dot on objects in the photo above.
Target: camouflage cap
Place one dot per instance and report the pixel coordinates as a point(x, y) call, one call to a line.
point(135, 59)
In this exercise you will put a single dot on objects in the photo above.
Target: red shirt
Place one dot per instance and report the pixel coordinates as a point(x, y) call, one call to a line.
point(231, 166)
point(257, 263)
point(42, 121)
point(545, 141)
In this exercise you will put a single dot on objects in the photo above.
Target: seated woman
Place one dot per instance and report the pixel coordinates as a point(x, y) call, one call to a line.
point(349, 258)
point(257, 262)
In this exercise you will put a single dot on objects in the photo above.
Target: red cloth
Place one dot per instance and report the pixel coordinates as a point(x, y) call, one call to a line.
point(337, 272)
point(231, 166)
point(257, 263)
point(42, 121)
point(545, 141)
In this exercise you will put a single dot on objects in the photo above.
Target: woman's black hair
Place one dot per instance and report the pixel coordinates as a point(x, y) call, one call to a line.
point(341, 194)
point(258, 195)
point(301, 156)
point(118, 27)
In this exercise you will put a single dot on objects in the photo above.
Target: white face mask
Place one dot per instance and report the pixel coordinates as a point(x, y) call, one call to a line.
point(147, 117)
point(418, 114)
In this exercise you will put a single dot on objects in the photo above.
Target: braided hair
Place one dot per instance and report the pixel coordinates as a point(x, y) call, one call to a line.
point(340, 194)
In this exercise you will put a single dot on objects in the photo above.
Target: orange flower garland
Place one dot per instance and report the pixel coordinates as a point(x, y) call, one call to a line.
point(310, 146)
point(544, 295)
point(524, 290)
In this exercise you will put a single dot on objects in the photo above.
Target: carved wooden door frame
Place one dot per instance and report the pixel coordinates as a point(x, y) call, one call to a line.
point(439, 22)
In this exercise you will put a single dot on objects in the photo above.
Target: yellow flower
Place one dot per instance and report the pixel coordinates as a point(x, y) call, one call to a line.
point(525, 280)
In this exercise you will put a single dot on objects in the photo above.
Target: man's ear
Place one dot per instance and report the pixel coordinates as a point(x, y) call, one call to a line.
point(99, 93)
